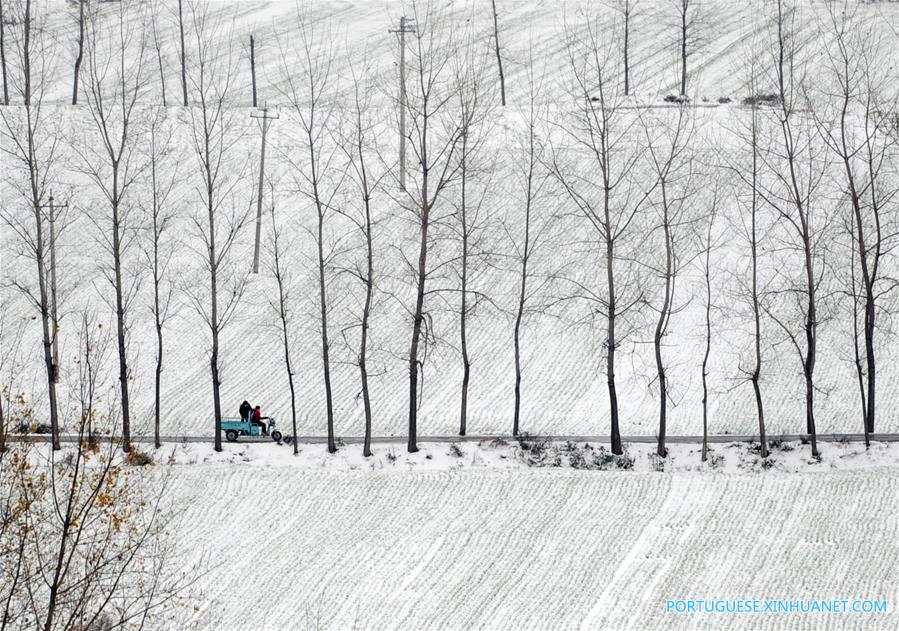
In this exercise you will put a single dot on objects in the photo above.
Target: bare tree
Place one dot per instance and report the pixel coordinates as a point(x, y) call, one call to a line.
point(436, 136)
point(708, 243)
point(610, 196)
point(689, 19)
point(532, 181)
point(798, 167)
point(214, 135)
point(79, 57)
point(312, 99)
point(183, 51)
point(3, 70)
point(113, 164)
point(158, 249)
point(11, 334)
point(499, 58)
point(674, 168)
point(629, 11)
point(32, 142)
point(472, 214)
point(157, 44)
point(82, 537)
point(359, 145)
point(855, 125)
point(281, 273)
point(253, 67)
point(750, 226)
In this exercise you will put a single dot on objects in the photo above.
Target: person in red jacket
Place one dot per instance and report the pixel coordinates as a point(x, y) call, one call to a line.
point(257, 420)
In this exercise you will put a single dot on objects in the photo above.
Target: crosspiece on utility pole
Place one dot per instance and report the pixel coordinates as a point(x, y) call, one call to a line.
point(54, 311)
point(265, 117)
point(406, 26)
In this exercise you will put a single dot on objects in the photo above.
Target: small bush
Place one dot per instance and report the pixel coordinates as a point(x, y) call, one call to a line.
point(762, 99)
point(139, 458)
point(779, 443)
point(724, 100)
point(676, 98)
point(456, 451)
point(391, 455)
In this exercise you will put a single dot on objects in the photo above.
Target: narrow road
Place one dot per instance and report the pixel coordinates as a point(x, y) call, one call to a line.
point(352, 440)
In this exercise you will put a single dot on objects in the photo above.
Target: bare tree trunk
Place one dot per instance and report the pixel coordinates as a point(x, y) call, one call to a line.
point(25, 146)
point(434, 46)
point(867, 267)
point(418, 315)
point(522, 293)
point(611, 338)
point(684, 6)
point(80, 55)
point(157, 310)
point(253, 66)
point(184, 66)
point(707, 273)
point(802, 222)
point(499, 59)
point(366, 312)
point(859, 369)
point(463, 312)
point(313, 99)
point(326, 356)
point(662, 326)
point(44, 303)
point(214, 320)
point(3, 54)
point(159, 60)
point(755, 376)
point(626, 46)
point(283, 317)
point(26, 52)
point(124, 374)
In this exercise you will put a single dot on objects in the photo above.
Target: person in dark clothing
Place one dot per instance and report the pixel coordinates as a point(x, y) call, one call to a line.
point(257, 420)
point(245, 410)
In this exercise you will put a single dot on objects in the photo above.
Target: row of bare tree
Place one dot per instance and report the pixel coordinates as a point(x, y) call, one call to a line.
point(647, 185)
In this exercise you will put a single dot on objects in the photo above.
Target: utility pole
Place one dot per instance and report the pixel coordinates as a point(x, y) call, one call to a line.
point(406, 26)
point(54, 311)
point(265, 117)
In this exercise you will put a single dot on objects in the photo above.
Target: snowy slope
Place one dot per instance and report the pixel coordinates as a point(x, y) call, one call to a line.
point(564, 387)
point(530, 549)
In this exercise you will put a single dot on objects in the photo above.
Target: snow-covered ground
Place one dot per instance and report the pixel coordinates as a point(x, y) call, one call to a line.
point(288, 545)
point(527, 453)
point(494, 535)
point(564, 390)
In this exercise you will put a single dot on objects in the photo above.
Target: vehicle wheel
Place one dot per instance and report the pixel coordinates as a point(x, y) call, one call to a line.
point(231, 435)
point(276, 436)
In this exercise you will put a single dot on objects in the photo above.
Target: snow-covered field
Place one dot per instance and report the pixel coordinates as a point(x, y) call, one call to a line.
point(287, 547)
point(564, 389)
point(472, 536)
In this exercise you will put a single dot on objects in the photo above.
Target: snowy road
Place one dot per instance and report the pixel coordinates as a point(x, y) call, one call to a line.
point(353, 440)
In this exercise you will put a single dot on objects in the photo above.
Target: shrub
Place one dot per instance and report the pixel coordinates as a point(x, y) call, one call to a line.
point(139, 458)
point(762, 99)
